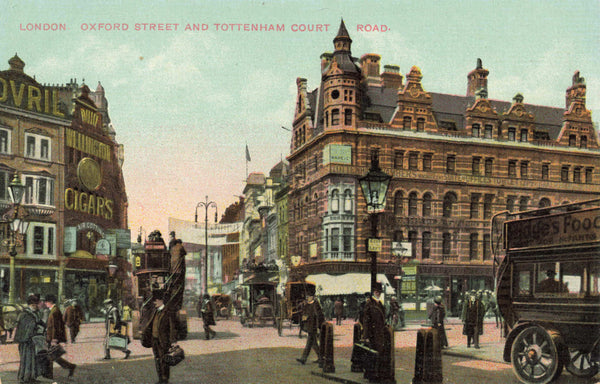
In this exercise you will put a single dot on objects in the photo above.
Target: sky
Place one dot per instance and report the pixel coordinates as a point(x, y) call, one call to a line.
point(186, 103)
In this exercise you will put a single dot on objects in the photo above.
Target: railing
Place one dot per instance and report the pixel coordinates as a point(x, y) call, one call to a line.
point(341, 256)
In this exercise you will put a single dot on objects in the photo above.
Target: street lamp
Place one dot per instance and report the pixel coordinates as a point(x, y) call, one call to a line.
point(16, 190)
point(206, 204)
point(374, 186)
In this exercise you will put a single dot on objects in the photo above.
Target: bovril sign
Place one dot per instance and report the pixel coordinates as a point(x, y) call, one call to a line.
point(30, 97)
point(576, 227)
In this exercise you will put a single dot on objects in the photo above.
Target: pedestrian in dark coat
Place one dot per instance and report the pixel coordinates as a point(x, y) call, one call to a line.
point(438, 314)
point(28, 325)
point(73, 318)
point(56, 334)
point(207, 309)
point(161, 334)
point(338, 309)
point(472, 316)
point(374, 333)
point(314, 317)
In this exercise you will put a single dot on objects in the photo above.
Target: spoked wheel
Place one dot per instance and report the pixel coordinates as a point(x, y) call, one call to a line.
point(580, 363)
point(535, 356)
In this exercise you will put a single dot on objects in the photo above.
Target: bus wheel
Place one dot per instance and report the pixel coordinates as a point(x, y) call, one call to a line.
point(580, 363)
point(535, 356)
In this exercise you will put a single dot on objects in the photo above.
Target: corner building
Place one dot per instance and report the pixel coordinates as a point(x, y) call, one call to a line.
point(455, 161)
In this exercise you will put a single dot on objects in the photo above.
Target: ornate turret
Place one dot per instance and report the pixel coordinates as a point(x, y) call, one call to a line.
point(16, 64)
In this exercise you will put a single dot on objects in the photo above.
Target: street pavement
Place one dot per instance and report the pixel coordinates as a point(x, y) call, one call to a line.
point(258, 355)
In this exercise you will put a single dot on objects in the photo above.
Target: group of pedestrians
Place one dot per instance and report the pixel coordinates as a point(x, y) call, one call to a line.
point(40, 332)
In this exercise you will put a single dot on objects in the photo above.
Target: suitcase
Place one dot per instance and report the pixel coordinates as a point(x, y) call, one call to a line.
point(118, 342)
point(174, 356)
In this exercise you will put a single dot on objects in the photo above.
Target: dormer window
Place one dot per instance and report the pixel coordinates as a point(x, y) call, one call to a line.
point(523, 135)
point(407, 123)
point(512, 132)
point(476, 128)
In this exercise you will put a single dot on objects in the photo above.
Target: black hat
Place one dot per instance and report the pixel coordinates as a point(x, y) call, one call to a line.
point(33, 299)
point(51, 298)
point(378, 287)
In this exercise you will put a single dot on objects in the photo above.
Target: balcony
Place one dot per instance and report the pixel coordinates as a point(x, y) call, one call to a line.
point(338, 256)
point(39, 210)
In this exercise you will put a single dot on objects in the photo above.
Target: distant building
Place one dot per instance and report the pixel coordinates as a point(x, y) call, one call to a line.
point(455, 162)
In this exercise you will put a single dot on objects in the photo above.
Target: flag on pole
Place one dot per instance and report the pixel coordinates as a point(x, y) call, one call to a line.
point(247, 154)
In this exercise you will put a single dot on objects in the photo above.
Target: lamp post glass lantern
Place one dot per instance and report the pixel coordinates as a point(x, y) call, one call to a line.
point(206, 204)
point(16, 190)
point(374, 187)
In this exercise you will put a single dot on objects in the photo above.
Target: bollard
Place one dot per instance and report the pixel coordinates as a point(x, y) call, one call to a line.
point(356, 358)
point(388, 366)
point(428, 358)
point(327, 349)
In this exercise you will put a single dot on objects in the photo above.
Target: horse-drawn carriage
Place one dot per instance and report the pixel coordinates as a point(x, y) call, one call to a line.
point(290, 307)
point(222, 305)
point(259, 300)
point(549, 290)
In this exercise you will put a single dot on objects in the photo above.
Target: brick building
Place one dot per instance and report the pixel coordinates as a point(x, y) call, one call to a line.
point(455, 161)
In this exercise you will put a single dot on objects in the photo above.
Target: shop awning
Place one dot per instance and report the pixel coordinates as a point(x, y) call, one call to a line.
point(348, 283)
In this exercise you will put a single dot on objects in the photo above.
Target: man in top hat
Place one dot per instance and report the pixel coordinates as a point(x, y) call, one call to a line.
point(113, 324)
point(162, 333)
point(374, 333)
point(55, 334)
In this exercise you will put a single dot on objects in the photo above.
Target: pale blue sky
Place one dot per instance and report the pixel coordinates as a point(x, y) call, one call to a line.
point(185, 104)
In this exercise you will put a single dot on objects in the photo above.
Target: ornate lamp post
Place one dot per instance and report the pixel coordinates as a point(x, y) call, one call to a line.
point(206, 204)
point(374, 186)
point(16, 190)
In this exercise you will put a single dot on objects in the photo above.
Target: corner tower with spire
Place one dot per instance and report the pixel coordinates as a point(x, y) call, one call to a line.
point(340, 85)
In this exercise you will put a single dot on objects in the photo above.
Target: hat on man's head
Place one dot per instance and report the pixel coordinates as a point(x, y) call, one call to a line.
point(550, 273)
point(50, 298)
point(33, 299)
point(378, 287)
point(107, 301)
point(438, 300)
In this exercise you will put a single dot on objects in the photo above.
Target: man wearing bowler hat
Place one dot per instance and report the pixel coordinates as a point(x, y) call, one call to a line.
point(161, 330)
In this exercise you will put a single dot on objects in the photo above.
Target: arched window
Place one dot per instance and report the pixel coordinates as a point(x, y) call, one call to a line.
point(544, 202)
point(335, 200)
point(398, 203)
point(427, 204)
point(449, 201)
point(412, 204)
point(348, 201)
point(510, 204)
point(523, 203)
